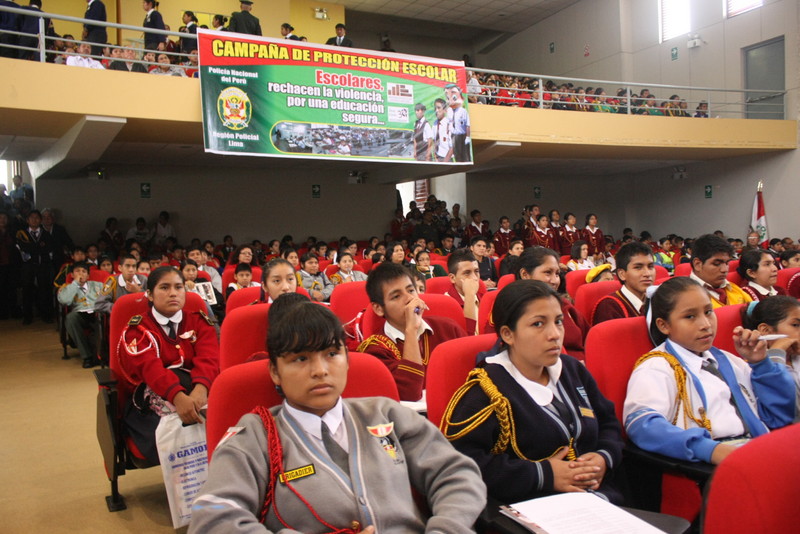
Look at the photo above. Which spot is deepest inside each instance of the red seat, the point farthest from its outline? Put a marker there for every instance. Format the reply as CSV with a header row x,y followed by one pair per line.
x,y
365,264
448,368
441,263
751,491
439,284
96,276
485,321
324,264
784,275
250,295
564,259
243,333
347,300
505,280
728,318
612,349
331,269
575,279
444,306
239,389
203,276
683,269
734,278
661,272
588,295
733,265
229,276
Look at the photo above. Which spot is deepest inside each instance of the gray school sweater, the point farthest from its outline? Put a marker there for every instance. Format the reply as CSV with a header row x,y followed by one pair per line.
x,y
377,491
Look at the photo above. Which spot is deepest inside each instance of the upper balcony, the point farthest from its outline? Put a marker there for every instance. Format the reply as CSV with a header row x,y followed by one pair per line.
x,y
61,119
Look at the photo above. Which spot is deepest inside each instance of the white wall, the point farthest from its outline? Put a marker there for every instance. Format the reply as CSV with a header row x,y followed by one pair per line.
x,y
622,36
209,203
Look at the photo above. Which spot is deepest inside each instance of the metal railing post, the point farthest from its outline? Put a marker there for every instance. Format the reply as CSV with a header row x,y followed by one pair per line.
x,y
42,41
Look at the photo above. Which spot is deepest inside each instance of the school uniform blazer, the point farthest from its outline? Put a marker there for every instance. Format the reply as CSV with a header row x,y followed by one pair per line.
x,y
96,11
345,42
156,22
539,433
146,352
613,306
410,376
376,490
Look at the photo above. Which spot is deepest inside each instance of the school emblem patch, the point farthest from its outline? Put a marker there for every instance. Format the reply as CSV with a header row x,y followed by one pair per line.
x,y
234,108
382,432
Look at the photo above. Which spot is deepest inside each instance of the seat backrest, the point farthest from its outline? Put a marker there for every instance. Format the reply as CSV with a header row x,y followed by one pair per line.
x,y
575,279
229,276
683,269
444,306
784,275
439,284
661,272
728,318
96,276
126,307
243,333
239,389
331,269
735,278
241,297
203,276
588,294
449,365
248,295
505,280
365,264
349,299
441,263
485,321
564,259
612,348
751,490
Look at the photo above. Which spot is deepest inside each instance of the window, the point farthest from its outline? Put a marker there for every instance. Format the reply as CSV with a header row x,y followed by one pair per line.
x,y
737,7
674,18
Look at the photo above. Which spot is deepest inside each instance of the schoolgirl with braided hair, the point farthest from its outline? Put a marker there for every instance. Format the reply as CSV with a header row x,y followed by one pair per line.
x,y
318,463
530,416
690,400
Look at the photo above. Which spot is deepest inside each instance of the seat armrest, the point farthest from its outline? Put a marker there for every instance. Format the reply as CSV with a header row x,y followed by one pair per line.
x,y
699,471
105,377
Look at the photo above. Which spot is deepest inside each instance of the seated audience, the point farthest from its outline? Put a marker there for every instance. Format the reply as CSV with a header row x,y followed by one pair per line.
x,y
412,456
170,359
422,264
478,246
315,281
636,272
779,315
83,59
711,255
244,278
127,282
346,273
80,296
687,398
393,295
166,68
579,257
531,416
757,267
465,286
541,264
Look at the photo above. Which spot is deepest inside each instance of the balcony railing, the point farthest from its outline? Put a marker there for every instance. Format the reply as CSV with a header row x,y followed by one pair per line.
x,y
532,90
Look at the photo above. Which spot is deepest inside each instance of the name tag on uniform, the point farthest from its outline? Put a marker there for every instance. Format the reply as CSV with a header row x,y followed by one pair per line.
x,y
300,472
587,412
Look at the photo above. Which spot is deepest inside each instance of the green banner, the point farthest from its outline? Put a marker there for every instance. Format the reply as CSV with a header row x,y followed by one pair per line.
x,y
285,98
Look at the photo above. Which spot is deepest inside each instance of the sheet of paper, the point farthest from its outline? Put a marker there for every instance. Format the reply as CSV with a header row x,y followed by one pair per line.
x,y
579,513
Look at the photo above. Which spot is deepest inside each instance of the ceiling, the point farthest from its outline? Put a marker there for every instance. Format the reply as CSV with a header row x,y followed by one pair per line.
x,y
498,15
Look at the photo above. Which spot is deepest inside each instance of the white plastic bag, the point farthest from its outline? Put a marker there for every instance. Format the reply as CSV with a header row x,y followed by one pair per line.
x,y
183,453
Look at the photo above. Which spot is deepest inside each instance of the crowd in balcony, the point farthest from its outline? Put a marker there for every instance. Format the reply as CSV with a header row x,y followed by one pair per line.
x,y
525,92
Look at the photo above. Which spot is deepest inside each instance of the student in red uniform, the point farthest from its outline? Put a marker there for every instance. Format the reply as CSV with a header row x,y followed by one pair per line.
x,y
465,285
636,271
594,238
393,295
569,234
477,227
555,224
503,236
541,264
543,235
757,267
168,358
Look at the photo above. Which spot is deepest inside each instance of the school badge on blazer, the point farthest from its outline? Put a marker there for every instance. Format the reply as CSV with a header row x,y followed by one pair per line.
x,y
234,108
383,433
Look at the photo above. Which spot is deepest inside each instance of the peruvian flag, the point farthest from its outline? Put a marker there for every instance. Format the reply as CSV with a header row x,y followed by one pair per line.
x,y
758,222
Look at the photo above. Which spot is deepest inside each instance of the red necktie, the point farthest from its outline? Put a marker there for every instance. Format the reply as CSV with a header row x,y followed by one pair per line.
x,y
722,295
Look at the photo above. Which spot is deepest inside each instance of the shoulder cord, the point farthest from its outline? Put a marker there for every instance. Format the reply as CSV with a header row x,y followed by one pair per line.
x,y
385,342
682,396
501,407
275,450
616,299
135,352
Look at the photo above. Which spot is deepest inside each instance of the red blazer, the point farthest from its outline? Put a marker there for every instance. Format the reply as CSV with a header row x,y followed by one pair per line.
x,y
146,352
596,240
566,238
502,242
